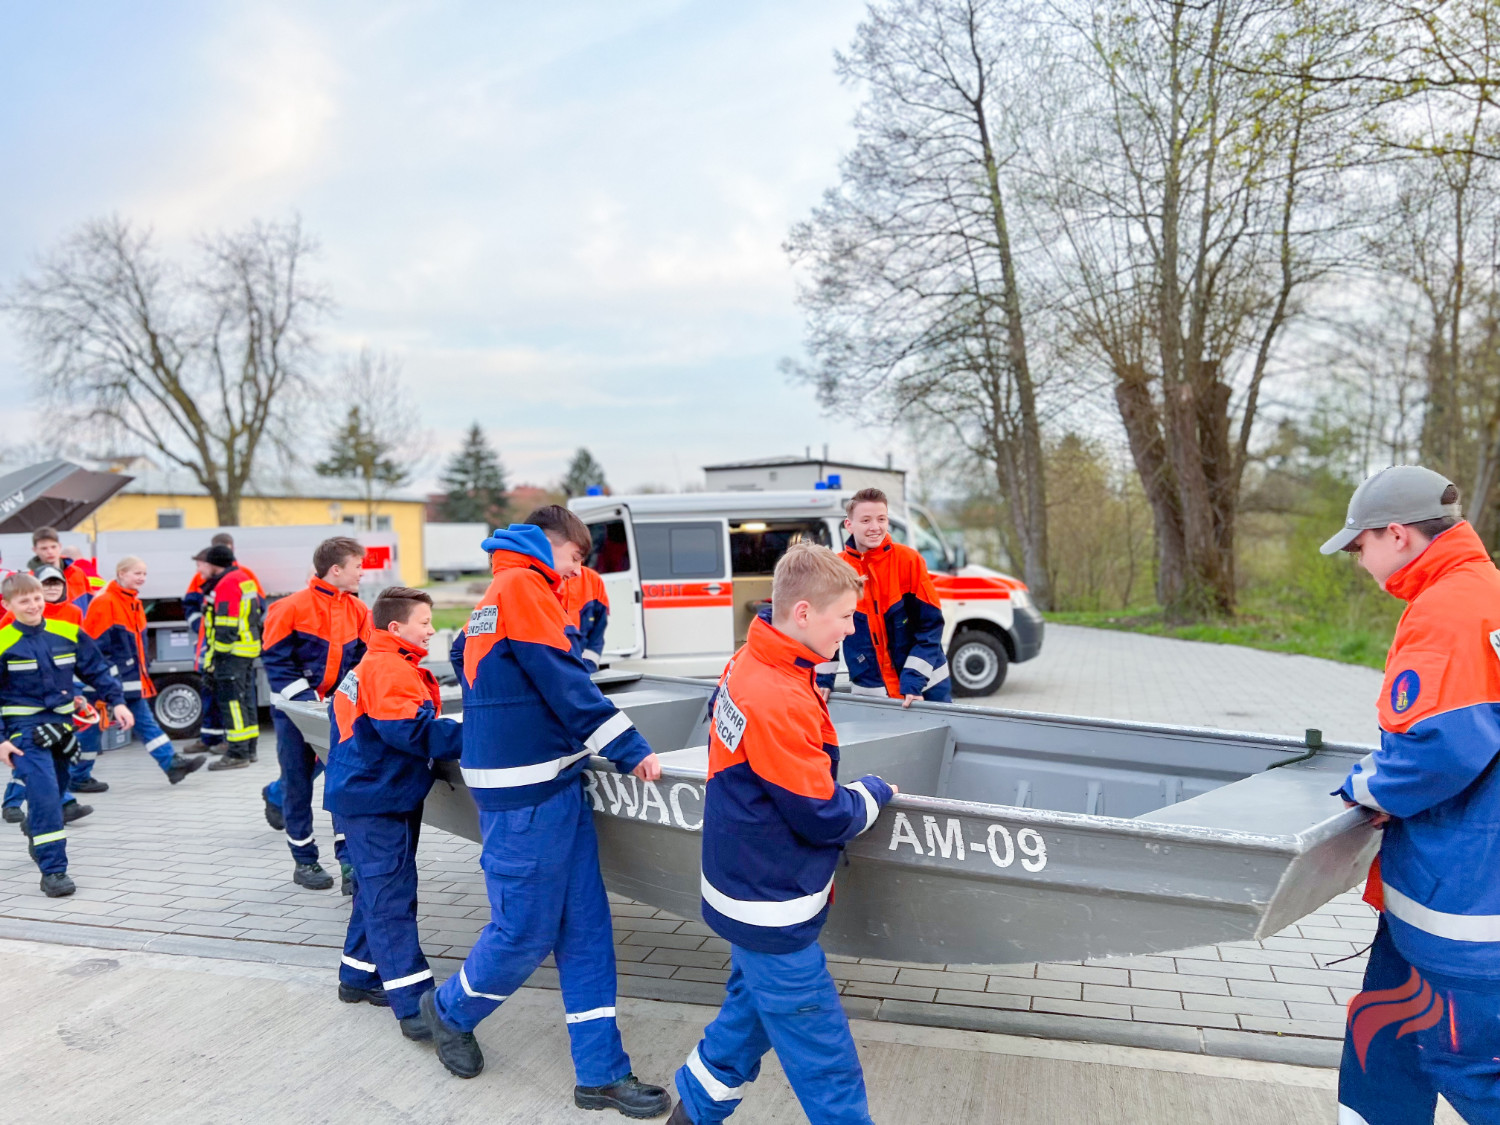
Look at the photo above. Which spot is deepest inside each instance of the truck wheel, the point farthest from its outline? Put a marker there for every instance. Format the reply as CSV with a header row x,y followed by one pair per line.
x,y
178,707
978,663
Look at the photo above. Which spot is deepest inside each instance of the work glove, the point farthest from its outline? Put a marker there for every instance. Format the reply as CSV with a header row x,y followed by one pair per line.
x,y
57,738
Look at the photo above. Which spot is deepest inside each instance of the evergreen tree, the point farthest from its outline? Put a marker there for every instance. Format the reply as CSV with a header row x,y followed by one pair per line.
x,y
583,473
474,483
359,451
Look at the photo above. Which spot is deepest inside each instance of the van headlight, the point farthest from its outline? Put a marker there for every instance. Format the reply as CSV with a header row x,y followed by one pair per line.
x,y
1020,599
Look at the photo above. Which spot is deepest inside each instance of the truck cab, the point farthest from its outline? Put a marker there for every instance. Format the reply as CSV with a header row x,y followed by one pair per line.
x,y
686,574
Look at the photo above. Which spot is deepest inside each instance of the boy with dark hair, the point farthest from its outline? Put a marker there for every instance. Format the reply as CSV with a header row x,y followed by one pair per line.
x,y
313,638
38,661
582,591
117,622
775,822
385,732
897,646
532,720
47,550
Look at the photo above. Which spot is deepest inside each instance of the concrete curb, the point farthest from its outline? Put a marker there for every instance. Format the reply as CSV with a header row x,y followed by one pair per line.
x,y
1257,1046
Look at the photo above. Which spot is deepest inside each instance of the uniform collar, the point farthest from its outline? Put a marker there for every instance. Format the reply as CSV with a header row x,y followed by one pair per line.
x,y
879,549
385,641
1456,547
770,645
123,592
516,560
318,586
32,630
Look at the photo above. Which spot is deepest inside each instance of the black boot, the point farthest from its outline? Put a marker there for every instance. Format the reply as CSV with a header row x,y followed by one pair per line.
x,y
181,767
57,885
75,810
680,1115
629,1095
12,814
89,785
227,761
457,1050
312,876
372,995
273,813
415,1028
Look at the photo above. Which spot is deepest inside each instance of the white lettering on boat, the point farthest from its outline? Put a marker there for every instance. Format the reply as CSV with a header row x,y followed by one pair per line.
x,y
944,839
627,796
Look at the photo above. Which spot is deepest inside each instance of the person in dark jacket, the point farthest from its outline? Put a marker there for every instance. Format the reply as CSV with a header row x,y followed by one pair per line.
x,y
386,730
233,612
39,656
532,719
775,822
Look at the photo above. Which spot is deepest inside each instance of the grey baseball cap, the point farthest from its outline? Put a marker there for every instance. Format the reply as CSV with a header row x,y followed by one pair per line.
x,y
1400,494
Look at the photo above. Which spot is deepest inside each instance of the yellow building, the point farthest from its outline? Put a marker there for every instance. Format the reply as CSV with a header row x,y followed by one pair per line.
x,y
171,499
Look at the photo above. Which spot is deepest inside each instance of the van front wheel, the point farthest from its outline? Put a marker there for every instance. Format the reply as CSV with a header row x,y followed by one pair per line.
x,y
977,662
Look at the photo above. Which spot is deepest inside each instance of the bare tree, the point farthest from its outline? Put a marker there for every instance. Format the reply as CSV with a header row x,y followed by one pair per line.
x,y
915,301
1192,200
200,368
375,437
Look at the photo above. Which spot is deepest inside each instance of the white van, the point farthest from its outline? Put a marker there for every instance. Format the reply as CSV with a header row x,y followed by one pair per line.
x,y
686,572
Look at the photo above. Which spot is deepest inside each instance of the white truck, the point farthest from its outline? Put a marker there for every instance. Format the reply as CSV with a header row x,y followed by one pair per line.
x,y
686,573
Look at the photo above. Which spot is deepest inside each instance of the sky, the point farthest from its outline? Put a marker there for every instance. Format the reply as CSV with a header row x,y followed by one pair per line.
x,y
563,220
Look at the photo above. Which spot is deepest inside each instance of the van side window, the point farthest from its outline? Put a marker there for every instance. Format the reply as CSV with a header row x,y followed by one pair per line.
x,y
680,550
611,551
755,545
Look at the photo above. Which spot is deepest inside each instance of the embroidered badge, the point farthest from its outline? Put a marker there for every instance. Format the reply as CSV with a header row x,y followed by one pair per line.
x,y
485,619
349,686
729,721
1404,691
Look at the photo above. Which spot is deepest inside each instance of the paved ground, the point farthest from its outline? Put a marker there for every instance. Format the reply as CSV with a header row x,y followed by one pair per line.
x,y
138,1036
1121,675
198,861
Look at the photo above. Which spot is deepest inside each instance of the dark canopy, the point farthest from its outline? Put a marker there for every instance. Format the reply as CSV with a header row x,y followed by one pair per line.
x,y
53,494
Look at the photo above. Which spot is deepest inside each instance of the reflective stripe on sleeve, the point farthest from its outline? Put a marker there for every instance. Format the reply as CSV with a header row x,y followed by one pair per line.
x,y
512,776
934,675
711,1085
590,654
463,980
591,1014
1360,783
609,730
938,677
1454,927
860,689
362,966
402,982
789,912
872,806
131,685
296,687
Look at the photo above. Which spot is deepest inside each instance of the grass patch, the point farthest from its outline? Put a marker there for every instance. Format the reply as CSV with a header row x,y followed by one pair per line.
x,y
1265,626
449,617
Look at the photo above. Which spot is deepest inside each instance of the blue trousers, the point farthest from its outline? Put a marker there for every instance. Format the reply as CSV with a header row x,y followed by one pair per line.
x,y
299,765
88,753
158,745
276,792
541,871
46,780
211,726
789,1002
1410,1038
381,946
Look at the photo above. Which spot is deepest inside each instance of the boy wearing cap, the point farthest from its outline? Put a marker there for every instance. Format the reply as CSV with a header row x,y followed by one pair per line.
x,y
117,622
1428,1019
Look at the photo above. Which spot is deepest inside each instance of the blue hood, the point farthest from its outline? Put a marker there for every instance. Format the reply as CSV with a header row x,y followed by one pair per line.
x,y
524,539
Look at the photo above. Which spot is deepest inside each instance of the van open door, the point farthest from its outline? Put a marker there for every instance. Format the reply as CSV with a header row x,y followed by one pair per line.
x,y
614,556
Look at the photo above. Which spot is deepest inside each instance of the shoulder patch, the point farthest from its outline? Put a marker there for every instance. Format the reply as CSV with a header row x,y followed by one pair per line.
x,y
729,721
1405,689
485,619
349,686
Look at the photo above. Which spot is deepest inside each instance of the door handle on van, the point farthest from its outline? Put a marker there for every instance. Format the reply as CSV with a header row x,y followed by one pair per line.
x,y
637,595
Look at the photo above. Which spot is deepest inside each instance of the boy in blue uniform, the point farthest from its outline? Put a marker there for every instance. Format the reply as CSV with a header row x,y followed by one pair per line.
x,y
775,822
386,731
38,660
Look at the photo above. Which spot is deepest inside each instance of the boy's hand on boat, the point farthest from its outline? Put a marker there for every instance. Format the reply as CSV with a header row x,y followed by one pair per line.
x,y
909,700
649,769
1376,818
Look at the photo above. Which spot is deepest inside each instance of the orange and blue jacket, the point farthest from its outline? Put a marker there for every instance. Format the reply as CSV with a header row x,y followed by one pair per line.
x,y
775,819
87,714
1434,771
117,622
39,665
897,646
532,716
587,606
312,639
386,731
192,604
